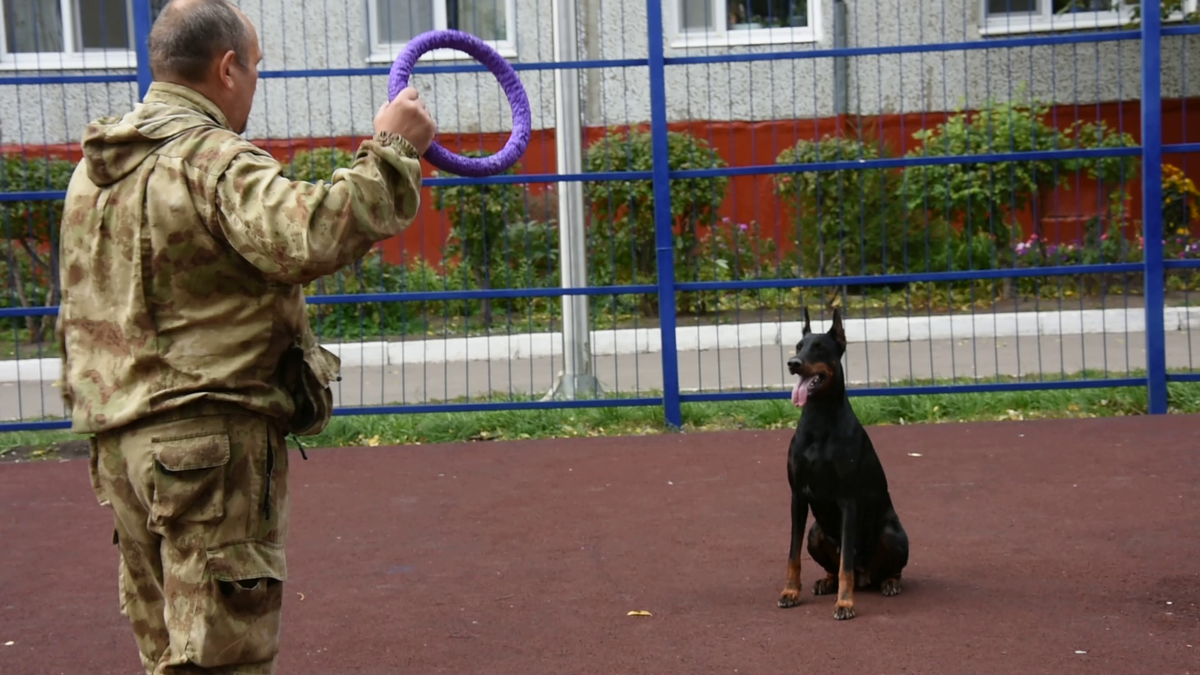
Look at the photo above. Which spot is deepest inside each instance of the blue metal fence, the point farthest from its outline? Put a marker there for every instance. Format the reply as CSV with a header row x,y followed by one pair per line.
x,y
915,245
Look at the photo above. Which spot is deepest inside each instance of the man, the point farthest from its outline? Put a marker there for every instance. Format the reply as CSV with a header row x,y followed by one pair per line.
x,y
187,351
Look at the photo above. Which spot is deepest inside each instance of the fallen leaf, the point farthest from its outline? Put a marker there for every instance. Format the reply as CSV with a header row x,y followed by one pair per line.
x,y
301,596
639,612
914,454
9,643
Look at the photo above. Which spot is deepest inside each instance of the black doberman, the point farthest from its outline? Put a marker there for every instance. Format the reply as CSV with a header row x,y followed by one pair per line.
x,y
832,468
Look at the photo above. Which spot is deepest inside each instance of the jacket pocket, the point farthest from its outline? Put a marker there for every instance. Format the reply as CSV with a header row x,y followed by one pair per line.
x,y
243,601
189,477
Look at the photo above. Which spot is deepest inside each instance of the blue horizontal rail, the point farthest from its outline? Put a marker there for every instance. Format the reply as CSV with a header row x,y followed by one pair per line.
x,y
752,170
1181,148
918,160
926,390
456,68
971,45
912,277
21,80
401,409
1181,30
493,294
646,289
1183,377
1181,264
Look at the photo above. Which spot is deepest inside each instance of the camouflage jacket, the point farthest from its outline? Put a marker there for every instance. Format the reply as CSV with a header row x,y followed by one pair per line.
x,y
184,253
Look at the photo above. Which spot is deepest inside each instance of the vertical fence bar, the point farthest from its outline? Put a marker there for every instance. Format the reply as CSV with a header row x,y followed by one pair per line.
x,y
664,240
1152,194
141,33
577,378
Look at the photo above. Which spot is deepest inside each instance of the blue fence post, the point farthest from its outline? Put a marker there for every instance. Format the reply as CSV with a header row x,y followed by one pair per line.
x,y
664,239
141,31
1152,194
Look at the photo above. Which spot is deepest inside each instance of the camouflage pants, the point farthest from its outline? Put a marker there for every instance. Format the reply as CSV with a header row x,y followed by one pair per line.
x,y
200,504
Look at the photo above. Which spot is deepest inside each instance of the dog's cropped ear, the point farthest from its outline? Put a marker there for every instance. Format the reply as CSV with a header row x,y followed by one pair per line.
x,y
836,331
807,324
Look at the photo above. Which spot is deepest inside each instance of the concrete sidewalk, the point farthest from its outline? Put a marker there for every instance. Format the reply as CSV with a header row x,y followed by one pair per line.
x,y
714,370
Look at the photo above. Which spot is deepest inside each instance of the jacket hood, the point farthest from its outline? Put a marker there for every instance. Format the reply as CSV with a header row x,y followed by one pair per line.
x,y
114,147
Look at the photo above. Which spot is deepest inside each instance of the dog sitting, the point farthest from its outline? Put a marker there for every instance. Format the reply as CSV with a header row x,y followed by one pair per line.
x,y
833,469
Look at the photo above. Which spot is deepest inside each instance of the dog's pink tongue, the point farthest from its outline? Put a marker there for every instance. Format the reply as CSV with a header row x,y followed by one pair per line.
x,y
800,392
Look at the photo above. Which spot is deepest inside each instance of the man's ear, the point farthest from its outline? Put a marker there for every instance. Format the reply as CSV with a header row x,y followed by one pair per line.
x,y
225,66
836,331
807,324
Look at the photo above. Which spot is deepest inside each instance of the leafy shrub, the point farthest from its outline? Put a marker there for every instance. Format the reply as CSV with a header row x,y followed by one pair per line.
x,y
33,227
985,196
850,221
628,206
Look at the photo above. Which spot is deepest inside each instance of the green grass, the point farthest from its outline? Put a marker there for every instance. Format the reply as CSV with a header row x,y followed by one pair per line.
x,y
429,428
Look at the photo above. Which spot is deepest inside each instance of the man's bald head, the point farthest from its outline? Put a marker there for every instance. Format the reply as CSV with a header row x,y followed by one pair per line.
x,y
190,34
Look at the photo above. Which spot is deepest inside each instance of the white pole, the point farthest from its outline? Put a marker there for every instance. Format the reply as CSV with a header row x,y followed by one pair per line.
x,y
576,377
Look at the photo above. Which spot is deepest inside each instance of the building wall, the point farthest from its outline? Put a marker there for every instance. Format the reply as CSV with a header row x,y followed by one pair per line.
x,y
318,34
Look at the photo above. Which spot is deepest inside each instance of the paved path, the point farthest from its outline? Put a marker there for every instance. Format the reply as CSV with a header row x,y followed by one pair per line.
x,y
724,369
1038,547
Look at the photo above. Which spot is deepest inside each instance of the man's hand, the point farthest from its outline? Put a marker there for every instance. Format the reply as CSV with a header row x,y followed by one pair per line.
x,y
407,117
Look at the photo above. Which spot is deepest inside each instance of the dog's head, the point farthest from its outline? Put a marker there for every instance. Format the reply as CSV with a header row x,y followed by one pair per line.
x,y
818,359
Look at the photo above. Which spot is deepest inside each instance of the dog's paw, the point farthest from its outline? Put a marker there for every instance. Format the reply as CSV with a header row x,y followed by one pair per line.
x,y
890,587
790,597
843,612
826,586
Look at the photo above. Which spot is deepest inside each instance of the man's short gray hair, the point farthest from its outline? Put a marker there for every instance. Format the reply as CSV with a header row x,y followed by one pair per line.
x,y
189,34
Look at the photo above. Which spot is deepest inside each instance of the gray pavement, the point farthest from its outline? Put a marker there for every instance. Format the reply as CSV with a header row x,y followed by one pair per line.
x,y
716,370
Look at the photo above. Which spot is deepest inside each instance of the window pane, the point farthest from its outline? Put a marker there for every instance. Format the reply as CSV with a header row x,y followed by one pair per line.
x,y
1002,7
103,24
33,26
402,20
696,15
1065,6
768,13
484,18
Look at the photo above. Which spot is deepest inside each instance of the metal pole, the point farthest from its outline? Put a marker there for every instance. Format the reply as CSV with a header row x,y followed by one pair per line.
x,y
142,22
841,70
576,378
1152,196
664,243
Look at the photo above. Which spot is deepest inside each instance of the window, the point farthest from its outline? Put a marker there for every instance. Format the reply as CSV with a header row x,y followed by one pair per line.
x,y
394,22
1028,16
716,23
67,33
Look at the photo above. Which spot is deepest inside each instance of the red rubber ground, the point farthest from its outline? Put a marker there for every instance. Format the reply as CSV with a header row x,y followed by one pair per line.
x,y
1044,547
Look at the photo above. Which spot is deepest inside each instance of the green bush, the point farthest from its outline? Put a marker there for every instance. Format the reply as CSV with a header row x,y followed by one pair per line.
x,y
983,197
317,164
31,228
627,207
851,221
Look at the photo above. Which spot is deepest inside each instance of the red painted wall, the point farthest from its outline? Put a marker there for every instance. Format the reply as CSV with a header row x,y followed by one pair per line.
x,y
1060,213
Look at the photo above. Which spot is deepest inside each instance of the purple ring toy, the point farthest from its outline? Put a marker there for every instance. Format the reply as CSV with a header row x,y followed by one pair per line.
x,y
518,140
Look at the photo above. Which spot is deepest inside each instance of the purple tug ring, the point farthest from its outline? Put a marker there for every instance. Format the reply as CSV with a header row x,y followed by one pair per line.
x,y
518,140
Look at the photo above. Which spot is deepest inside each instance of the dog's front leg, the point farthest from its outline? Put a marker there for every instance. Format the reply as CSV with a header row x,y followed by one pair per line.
x,y
790,597
845,599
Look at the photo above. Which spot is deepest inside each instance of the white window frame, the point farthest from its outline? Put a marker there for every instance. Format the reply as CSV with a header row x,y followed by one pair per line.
x,y
1045,22
721,36
69,59
386,52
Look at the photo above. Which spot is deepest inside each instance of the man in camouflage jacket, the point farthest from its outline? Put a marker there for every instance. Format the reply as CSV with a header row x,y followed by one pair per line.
x,y
188,355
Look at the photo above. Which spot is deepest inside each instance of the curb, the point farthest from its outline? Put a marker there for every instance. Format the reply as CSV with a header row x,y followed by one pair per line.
x,y
704,338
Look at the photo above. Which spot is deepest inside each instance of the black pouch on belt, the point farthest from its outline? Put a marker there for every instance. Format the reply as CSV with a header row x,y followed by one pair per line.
x,y
307,369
